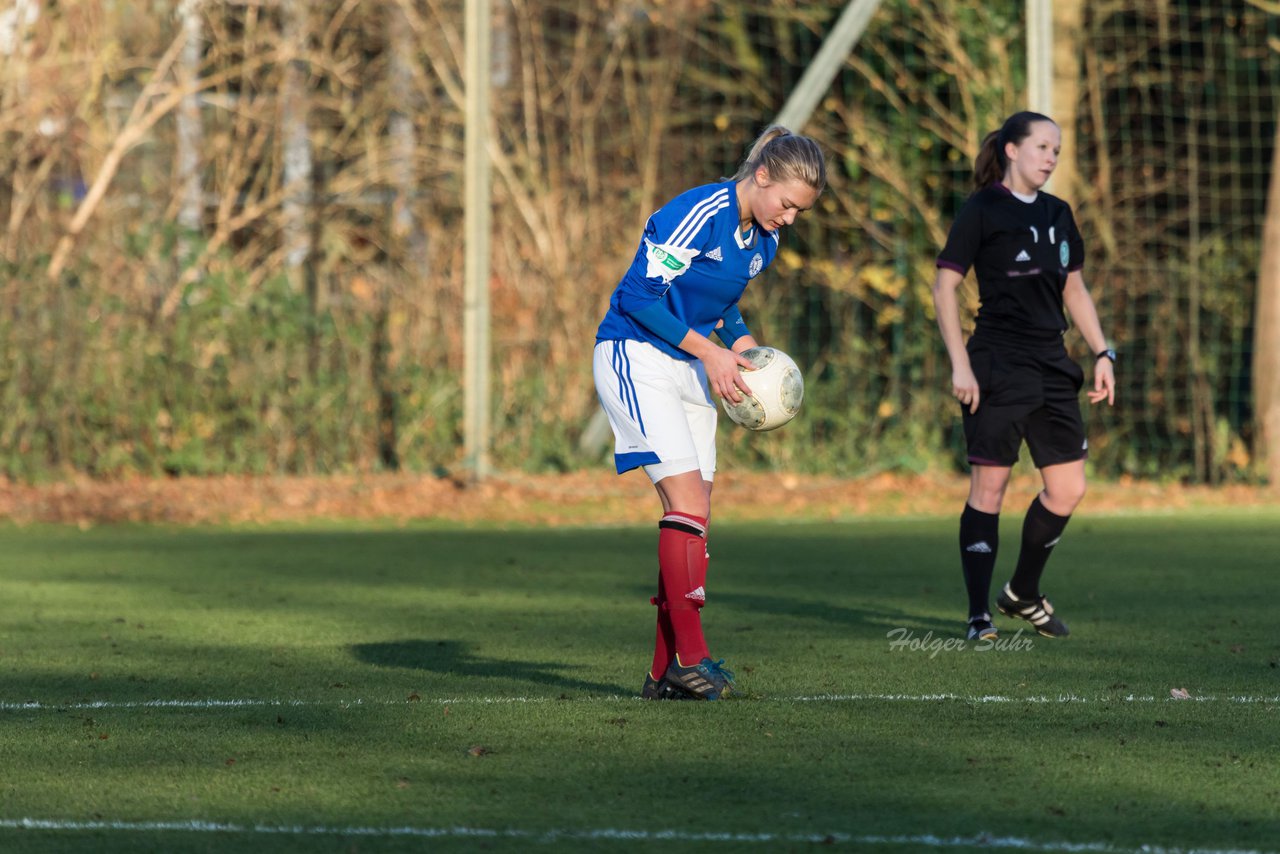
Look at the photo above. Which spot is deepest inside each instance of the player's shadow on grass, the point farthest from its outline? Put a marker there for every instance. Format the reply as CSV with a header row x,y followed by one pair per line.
x,y
873,622
451,658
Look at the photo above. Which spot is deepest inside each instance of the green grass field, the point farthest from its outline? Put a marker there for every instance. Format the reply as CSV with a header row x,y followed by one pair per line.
x,y
335,688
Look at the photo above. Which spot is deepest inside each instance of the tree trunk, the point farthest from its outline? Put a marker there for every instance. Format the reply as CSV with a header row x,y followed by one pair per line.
x,y
408,238
1266,340
190,131
408,241
299,223
297,144
16,192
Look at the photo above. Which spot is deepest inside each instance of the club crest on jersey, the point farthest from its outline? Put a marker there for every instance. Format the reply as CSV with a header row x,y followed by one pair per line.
x,y
666,262
1064,253
757,264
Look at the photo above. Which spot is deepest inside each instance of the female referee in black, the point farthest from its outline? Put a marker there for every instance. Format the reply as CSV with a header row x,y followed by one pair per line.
x,y
1014,379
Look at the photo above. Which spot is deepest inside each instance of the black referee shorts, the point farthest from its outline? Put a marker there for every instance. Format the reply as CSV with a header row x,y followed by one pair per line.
x,y
1025,394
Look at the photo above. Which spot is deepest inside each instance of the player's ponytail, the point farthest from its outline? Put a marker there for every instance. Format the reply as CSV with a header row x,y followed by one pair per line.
x,y
991,163
786,156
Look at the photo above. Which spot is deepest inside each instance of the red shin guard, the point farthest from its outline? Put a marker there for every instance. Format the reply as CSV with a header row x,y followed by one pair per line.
x,y
664,644
682,562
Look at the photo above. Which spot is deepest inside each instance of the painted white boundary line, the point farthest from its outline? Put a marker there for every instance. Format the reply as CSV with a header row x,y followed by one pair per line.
x,y
37,706
552,836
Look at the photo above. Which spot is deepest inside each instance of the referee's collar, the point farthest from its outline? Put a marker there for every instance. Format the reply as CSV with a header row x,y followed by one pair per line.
x,y
1018,196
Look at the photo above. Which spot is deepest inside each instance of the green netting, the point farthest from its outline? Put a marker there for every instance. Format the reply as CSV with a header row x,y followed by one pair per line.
x,y
1177,106
1177,124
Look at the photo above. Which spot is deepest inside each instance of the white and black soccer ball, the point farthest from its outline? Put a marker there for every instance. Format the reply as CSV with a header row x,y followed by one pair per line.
x,y
777,389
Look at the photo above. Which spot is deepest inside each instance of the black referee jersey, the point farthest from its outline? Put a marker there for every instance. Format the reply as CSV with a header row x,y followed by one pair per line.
x,y
1021,253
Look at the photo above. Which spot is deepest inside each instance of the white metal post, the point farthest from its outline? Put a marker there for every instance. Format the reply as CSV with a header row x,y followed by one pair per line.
x,y
478,237
1040,56
826,64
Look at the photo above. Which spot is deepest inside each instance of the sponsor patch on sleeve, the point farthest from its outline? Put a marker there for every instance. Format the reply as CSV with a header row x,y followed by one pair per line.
x,y
667,262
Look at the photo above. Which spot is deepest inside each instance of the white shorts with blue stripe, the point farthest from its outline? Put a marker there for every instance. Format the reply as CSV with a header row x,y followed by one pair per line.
x,y
659,407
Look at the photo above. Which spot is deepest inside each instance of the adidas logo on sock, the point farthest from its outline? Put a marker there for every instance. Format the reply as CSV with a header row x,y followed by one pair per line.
x,y
979,547
1023,256
714,255
699,595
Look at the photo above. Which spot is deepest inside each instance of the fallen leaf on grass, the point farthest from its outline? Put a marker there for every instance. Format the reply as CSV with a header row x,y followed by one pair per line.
x,y
1179,694
479,750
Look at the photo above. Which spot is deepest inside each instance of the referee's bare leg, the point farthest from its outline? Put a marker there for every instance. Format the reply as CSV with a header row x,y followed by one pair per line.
x,y
1063,487
987,485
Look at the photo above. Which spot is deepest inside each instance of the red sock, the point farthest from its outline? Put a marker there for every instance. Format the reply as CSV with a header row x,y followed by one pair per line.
x,y
664,644
682,562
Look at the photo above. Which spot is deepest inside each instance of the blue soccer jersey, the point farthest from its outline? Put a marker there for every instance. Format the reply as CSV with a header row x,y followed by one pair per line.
x,y
689,272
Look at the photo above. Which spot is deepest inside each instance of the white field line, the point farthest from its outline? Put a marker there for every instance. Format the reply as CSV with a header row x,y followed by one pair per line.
x,y
1044,699
552,836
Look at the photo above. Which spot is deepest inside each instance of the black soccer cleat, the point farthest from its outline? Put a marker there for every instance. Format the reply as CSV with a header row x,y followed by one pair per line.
x,y
661,689
1038,612
706,680
980,628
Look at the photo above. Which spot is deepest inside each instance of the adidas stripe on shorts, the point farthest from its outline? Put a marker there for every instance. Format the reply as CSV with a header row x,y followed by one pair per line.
x,y
659,407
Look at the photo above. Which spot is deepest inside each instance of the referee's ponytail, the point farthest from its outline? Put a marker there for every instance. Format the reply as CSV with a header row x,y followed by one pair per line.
x,y
990,165
786,156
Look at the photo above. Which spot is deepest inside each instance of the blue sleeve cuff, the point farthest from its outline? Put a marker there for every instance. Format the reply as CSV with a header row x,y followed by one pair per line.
x,y
734,327
661,322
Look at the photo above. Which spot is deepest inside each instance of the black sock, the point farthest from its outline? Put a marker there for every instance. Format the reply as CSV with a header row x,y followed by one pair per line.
x,y
1040,533
979,540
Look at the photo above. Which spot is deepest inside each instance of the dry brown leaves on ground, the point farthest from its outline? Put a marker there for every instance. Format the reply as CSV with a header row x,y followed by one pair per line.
x,y
581,498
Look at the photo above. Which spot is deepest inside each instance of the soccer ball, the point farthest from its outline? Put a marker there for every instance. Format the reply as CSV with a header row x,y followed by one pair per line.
x,y
776,391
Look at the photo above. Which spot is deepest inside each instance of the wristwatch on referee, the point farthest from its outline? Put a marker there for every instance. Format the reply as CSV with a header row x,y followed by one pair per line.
x,y
1106,354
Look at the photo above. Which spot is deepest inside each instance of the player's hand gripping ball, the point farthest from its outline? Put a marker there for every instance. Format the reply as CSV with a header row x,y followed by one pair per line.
x,y
777,388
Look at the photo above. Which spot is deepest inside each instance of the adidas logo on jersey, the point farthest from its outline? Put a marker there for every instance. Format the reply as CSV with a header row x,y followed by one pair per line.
x,y
979,547
699,595
714,255
1023,256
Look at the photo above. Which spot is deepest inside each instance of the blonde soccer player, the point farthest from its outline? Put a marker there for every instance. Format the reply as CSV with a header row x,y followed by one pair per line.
x,y
655,368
